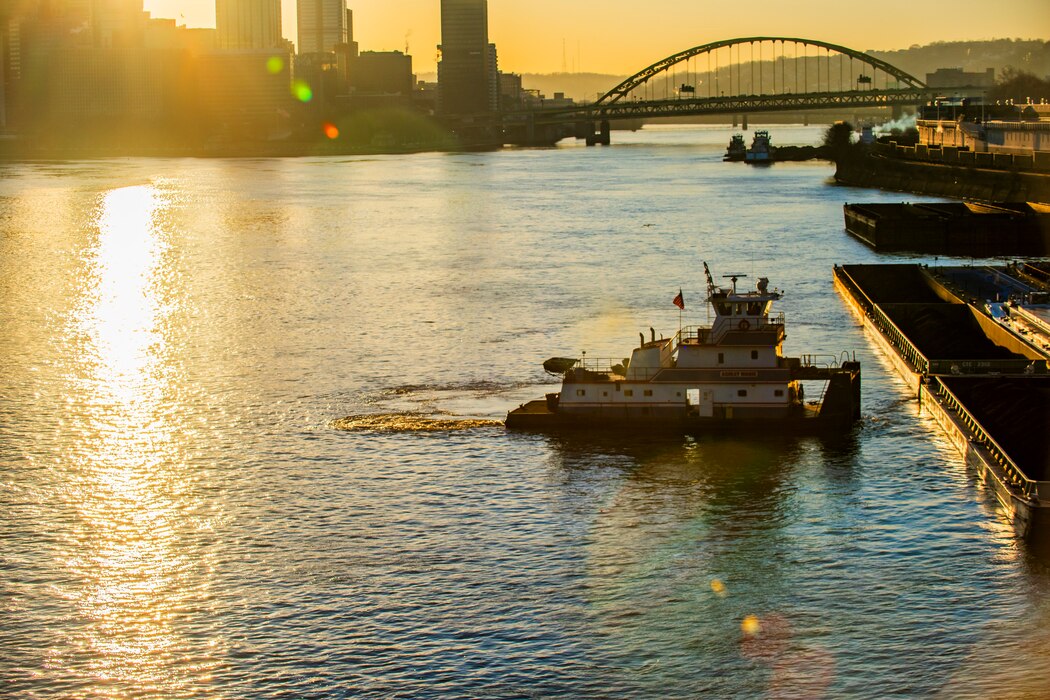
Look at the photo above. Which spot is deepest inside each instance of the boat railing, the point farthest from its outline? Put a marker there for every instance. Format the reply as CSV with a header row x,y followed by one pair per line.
x,y
600,365
701,333
1029,488
907,349
776,319
820,361
858,294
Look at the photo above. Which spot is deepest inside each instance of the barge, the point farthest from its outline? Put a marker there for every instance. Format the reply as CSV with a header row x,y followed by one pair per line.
x,y
985,383
729,376
952,228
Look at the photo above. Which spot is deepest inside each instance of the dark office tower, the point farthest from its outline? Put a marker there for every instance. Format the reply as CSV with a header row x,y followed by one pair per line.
x,y
467,75
322,25
352,47
248,24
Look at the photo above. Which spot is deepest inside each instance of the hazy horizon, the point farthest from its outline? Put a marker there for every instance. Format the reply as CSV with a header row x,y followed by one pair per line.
x,y
546,36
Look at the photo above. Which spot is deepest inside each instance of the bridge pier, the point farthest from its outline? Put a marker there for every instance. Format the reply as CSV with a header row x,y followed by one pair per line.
x,y
735,121
897,112
603,136
744,119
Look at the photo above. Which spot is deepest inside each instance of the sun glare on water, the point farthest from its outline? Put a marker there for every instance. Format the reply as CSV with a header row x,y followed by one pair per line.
x,y
123,318
127,477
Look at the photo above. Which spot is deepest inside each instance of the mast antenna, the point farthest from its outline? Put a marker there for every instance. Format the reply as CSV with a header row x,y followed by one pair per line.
x,y
710,281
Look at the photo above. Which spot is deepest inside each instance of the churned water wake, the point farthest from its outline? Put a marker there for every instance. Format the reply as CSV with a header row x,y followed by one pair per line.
x,y
410,423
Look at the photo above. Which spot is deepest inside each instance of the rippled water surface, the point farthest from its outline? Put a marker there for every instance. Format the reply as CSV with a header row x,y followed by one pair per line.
x,y
249,443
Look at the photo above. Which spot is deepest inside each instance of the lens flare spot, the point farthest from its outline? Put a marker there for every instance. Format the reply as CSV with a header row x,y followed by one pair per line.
x,y
302,91
331,131
275,64
750,625
718,587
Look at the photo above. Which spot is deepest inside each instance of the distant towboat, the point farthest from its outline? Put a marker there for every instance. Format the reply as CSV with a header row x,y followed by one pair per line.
x,y
737,149
761,150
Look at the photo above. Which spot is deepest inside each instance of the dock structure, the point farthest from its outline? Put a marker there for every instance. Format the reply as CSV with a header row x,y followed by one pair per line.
x,y
978,367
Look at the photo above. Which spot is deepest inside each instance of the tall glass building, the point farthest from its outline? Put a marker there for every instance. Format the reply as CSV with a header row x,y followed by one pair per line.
x,y
322,25
248,24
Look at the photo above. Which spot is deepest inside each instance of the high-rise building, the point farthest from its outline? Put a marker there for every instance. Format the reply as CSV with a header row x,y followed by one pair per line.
x,y
322,25
248,24
468,81
116,23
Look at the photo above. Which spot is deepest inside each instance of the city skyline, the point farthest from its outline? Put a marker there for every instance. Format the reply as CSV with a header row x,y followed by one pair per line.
x,y
546,36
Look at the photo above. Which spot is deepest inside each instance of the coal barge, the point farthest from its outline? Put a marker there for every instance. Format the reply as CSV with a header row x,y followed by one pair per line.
x,y
975,364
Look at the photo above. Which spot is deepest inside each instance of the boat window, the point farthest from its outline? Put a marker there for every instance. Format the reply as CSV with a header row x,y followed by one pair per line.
x,y
724,309
628,392
741,392
754,308
778,392
648,392
605,393
581,392
721,358
754,354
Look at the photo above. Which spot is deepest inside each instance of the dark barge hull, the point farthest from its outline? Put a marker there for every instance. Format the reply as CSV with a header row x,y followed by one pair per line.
x,y
952,228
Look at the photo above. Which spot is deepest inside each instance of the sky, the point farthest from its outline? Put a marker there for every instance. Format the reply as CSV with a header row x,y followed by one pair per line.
x,y
619,37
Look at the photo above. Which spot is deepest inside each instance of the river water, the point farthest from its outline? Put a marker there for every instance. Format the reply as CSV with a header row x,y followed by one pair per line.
x,y
185,513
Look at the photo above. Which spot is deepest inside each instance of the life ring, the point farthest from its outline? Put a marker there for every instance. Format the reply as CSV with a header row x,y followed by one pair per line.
x,y
744,324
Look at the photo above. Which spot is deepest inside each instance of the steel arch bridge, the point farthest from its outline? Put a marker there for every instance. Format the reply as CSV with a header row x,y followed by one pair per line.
x,y
749,75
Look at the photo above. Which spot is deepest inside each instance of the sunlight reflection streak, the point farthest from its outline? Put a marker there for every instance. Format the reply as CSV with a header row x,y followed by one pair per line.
x,y
127,480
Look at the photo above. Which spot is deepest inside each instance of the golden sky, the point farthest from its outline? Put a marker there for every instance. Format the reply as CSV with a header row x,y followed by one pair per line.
x,y
617,36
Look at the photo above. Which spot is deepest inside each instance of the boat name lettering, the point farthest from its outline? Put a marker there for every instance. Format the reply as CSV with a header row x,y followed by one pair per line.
x,y
728,373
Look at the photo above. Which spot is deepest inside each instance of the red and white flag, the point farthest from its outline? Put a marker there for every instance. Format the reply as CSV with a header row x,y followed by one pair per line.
x,y
679,301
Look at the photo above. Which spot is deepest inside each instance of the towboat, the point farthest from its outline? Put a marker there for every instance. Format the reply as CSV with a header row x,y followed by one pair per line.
x,y
761,150
737,149
729,375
